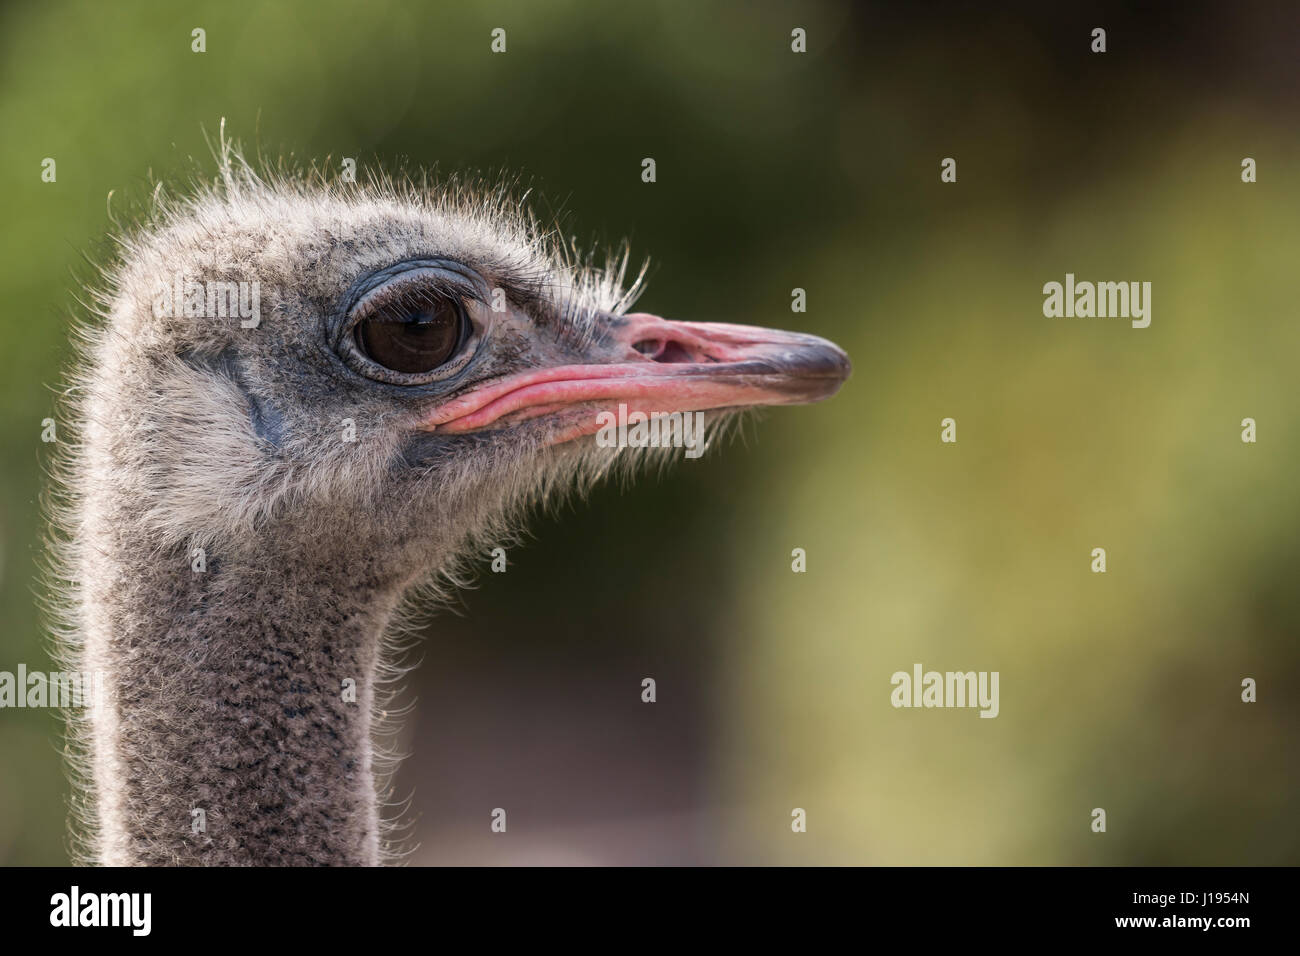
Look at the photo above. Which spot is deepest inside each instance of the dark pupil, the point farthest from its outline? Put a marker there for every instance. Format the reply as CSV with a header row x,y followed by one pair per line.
x,y
414,339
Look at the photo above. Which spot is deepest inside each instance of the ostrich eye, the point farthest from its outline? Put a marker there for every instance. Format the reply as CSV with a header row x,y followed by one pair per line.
x,y
413,337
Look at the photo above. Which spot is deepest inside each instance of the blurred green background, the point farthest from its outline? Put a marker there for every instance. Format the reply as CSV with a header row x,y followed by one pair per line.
x,y
778,170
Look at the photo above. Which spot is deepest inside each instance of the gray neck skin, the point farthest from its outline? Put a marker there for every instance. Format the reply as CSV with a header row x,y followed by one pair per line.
x,y
226,695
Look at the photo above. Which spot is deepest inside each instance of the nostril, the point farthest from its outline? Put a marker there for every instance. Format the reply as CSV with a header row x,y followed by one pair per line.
x,y
675,352
666,351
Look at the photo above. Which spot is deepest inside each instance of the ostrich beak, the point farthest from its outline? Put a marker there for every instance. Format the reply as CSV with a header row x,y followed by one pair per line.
x,y
658,366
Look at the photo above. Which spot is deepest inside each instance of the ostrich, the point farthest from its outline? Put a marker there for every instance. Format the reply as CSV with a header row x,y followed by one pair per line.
x,y
249,507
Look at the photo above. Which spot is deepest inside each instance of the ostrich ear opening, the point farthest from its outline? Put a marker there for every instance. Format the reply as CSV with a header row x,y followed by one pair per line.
x,y
268,424
206,468
657,366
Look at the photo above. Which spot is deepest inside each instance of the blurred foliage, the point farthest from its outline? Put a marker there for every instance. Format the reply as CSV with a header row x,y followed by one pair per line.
x,y
819,171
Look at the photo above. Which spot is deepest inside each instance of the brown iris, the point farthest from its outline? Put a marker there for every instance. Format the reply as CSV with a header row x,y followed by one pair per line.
x,y
413,338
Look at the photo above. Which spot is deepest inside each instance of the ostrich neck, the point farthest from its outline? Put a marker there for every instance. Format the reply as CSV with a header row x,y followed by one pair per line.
x,y
236,727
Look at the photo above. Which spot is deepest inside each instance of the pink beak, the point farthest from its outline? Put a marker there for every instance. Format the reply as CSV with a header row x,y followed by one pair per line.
x,y
659,366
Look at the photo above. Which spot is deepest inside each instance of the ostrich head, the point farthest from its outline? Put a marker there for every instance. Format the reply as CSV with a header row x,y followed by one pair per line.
x,y
256,490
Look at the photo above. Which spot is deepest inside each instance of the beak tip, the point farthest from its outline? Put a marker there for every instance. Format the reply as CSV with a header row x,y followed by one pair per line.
x,y
826,364
840,361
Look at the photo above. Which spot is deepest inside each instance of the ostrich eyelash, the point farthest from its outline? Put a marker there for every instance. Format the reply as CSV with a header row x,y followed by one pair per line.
x,y
411,292
419,288
396,305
